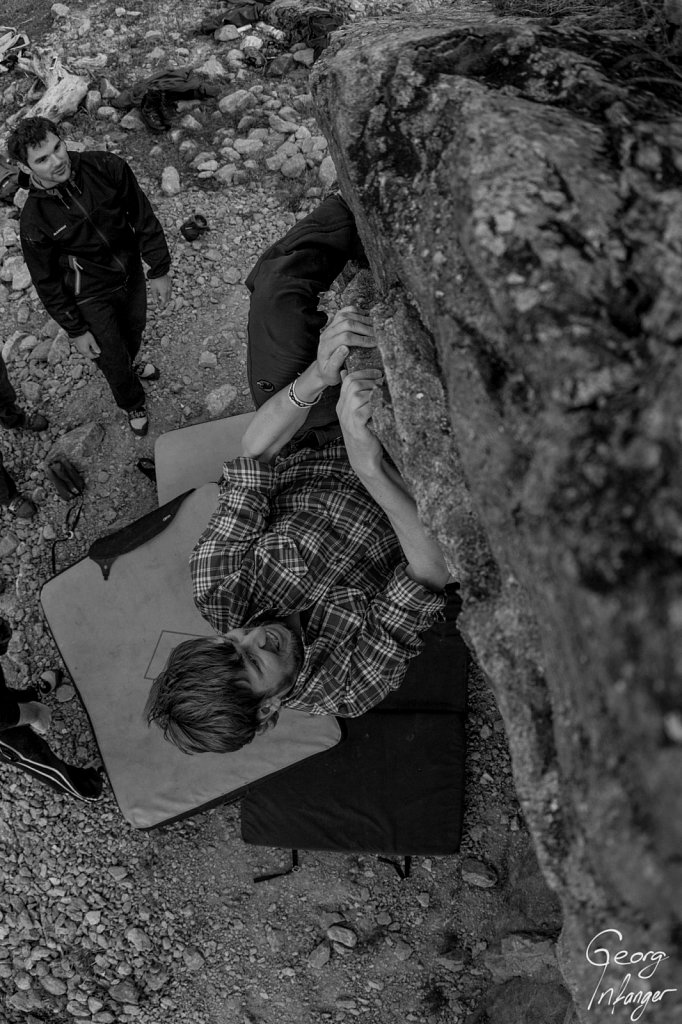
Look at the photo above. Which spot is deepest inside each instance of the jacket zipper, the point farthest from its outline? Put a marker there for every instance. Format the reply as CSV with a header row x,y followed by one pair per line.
x,y
76,267
93,225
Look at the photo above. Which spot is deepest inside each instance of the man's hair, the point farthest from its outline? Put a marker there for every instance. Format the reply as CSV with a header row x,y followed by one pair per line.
x,y
31,131
201,700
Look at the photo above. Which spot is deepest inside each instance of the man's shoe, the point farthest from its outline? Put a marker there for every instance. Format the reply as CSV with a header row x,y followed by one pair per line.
x,y
166,109
138,421
22,507
147,371
5,635
150,112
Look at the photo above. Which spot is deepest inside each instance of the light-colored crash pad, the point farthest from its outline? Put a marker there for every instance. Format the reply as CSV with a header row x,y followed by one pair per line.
x,y
194,455
114,637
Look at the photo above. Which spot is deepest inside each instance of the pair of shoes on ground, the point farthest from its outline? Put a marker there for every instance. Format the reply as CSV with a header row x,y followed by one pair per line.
x,y
22,507
34,421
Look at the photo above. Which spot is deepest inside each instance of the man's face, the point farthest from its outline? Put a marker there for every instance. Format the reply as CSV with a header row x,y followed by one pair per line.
x,y
272,654
48,161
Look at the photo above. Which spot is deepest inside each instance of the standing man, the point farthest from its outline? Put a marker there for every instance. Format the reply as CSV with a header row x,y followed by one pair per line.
x,y
84,227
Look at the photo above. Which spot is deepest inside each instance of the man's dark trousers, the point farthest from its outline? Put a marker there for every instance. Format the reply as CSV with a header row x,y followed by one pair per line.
x,y
8,488
117,321
10,416
284,319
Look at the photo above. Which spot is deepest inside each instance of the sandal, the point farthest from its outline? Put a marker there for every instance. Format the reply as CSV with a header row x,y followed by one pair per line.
x,y
193,227
138,421
147,467
22,507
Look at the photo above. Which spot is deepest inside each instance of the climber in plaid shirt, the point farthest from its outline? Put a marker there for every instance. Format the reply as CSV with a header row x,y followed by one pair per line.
x,y
314,568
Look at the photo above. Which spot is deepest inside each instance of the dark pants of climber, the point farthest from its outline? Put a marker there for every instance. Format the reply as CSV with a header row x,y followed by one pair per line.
x,y
117,321
284,320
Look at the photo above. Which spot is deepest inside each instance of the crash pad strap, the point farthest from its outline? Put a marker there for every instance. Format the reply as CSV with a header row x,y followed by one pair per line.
x,y
105,550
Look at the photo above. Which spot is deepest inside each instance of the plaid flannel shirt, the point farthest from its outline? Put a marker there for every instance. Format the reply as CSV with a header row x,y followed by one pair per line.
x,y
303,535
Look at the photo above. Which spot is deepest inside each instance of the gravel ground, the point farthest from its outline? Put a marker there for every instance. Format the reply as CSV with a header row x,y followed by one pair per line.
x,y
99,922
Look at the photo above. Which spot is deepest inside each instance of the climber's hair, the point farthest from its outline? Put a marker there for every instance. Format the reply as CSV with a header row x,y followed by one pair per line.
x,y
31,131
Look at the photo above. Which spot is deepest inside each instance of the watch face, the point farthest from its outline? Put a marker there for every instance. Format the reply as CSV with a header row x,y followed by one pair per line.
x,y
265,385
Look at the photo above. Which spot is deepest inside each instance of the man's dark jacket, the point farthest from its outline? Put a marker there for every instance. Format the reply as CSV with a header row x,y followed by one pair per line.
x,y
80,239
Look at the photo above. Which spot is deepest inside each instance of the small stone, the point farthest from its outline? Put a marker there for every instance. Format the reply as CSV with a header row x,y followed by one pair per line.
x,y
344,936
124,992
227,34
193,958
55,986
59,11
170,181
226,175
8,543
117,872
93,100
64,694
21,278
475,872
77,1010
247,147
93,917
28,343
305,57
319,956
218,400
212,68
326,172
294,166
208,359
401,950
132,121
236,101
139,939
108,90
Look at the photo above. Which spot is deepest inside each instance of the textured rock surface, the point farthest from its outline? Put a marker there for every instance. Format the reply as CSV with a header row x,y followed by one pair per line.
x,y
521,211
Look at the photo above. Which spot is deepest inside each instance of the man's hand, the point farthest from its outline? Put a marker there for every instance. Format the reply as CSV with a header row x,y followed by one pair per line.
x,y
36,716
348,328
160,288
86,345
354,410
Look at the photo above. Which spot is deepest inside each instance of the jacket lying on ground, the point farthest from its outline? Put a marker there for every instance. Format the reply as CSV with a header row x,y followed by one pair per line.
x,y
79,238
